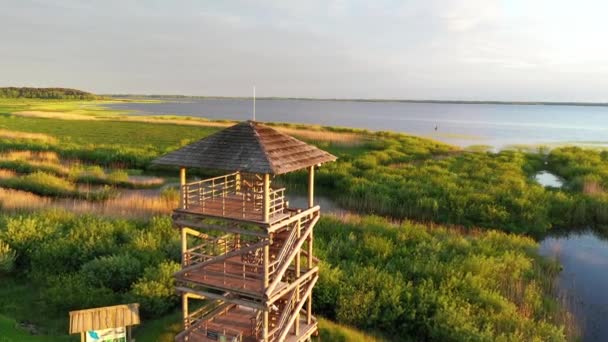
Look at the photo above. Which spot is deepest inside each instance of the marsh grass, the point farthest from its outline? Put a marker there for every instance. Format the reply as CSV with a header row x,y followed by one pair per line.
x,y
330,331
437,283
125,206
46,184
25,135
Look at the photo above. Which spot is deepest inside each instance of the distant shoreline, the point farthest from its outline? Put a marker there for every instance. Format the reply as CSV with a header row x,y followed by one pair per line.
x,y
527,103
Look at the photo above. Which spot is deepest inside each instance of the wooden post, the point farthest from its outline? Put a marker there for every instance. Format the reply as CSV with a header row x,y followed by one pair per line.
x,y
237,182
185,310
266,262
309,301
266,197
184,245
311,186
265,327
298,256
182,182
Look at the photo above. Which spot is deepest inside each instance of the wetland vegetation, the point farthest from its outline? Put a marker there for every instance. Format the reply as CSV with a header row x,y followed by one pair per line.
x,y
446,233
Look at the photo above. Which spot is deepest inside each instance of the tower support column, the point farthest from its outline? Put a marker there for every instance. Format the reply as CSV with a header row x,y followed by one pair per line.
x,y
182,182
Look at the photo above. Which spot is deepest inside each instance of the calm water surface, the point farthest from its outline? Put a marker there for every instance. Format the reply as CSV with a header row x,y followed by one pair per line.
x,y
584,257
460,124
547,179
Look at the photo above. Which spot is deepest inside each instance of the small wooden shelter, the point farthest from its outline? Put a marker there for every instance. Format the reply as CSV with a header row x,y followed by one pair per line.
x,y
242,244
109,317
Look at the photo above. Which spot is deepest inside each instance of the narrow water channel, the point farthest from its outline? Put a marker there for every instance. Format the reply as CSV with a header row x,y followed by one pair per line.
x,y
584,278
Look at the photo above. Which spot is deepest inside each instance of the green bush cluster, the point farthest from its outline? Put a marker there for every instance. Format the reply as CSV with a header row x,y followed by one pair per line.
x,y
585,172
407,177
579,166
75,262
420,283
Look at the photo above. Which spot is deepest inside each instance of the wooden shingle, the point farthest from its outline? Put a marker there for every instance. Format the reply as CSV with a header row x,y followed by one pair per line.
x,y
103,318
248,146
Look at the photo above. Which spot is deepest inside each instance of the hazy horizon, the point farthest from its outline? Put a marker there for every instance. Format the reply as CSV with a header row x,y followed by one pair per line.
x,y
476,50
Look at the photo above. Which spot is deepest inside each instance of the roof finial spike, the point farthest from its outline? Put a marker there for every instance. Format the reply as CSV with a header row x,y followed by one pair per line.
x,y
254,103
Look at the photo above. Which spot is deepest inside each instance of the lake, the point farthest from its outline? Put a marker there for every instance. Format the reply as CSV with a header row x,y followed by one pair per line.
x,y
460,124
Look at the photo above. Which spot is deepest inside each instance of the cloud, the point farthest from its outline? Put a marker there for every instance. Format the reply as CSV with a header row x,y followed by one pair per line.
x,y
391,49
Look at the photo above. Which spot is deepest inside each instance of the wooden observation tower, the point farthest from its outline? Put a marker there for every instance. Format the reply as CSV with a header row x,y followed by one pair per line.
x,y
248,268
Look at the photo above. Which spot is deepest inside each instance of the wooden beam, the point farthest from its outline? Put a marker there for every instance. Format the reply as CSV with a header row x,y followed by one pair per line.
x,y
310,262
192,232
297,310
206,294
311,186
280,293
222,257
185,310
265,326
297,217
298,264
279,274
182,223
182,182
184,234
266,262
266,195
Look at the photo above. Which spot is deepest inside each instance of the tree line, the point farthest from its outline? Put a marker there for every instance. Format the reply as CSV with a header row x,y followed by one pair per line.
x,y
46,93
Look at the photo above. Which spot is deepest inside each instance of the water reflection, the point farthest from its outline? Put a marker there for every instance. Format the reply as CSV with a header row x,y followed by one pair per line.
x,y
584,257
328,206
547,179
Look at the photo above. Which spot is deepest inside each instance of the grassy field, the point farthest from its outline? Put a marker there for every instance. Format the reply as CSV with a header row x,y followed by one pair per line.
x,y
464,278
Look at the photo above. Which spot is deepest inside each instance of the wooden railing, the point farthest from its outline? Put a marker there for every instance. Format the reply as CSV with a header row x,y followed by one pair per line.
x,y
205,312
195,194
285,315
232,196
205,328
276,202
288,246
209,249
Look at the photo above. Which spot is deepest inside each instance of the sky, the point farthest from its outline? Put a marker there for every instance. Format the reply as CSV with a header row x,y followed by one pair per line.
x,y
515,50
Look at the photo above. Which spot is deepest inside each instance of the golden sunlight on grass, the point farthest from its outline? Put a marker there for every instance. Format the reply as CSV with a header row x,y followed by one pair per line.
x,y
25,135
4,173
320,135
131,206
43,156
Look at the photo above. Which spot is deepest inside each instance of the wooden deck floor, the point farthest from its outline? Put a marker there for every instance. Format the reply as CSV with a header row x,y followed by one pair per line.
x,y
229,277
232,206
239,320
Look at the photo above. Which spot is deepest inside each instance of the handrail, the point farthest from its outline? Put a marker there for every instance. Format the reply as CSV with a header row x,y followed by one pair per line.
x,y
232,196
286,248
287,311
214,178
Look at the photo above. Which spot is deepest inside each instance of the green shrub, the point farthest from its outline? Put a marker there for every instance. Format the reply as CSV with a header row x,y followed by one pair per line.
x,y
118,177
408,280
41,183
7,258
116,272
66,292
155,290
170,194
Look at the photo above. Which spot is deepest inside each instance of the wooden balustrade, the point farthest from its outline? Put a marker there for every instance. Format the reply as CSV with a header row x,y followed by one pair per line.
x,y
233,196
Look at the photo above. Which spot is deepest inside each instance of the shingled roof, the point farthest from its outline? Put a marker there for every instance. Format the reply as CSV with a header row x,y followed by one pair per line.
x,y
248,146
